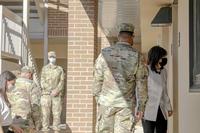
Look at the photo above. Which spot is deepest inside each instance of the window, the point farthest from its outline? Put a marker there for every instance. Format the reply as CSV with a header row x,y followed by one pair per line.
x,y
194,44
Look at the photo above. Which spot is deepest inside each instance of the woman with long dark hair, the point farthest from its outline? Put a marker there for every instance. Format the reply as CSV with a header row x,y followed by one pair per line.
x,y
158,107
7,82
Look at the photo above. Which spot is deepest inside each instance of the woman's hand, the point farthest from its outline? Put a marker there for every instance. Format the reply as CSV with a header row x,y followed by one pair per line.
x,y
16,129
170,113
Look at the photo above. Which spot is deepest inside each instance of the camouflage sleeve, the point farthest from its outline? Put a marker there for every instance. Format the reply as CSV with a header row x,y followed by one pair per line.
x,y
141,84
61,83
43,83
98,76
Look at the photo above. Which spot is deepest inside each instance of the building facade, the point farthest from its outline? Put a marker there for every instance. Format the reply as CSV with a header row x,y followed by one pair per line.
x,y
79,29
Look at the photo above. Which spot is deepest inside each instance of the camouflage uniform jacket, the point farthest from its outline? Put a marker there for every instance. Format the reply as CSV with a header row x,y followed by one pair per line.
x,y
119,71
24,98
52,77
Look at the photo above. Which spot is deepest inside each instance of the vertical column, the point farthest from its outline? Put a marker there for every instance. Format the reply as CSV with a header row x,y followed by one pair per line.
x,y
81,39
26,11
1,34
1,27
45,32
175,67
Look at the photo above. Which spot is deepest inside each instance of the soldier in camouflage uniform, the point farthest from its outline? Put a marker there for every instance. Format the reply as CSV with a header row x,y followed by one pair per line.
x,y
25,104
120,73
52,83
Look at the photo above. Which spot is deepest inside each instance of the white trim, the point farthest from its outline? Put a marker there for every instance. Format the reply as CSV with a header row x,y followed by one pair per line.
x,y
187,102
1,26
46,33
26,10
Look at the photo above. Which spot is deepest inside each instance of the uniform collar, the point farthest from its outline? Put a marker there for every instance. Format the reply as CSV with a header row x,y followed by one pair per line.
x,y
51,66
124,43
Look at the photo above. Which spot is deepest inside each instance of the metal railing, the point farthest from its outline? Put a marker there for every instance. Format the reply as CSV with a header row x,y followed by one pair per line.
x,y
14,39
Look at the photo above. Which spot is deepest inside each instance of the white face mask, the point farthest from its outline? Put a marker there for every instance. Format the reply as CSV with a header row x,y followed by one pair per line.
x,y
10,87
52,60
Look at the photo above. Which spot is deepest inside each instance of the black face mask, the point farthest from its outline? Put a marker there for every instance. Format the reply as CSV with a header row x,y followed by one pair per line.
x,y
164,62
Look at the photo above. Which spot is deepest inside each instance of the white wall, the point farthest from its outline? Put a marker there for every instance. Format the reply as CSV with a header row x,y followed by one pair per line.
x,y
149,35
189,107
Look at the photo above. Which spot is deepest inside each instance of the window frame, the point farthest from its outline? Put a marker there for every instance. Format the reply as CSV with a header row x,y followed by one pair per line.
x,y
192,45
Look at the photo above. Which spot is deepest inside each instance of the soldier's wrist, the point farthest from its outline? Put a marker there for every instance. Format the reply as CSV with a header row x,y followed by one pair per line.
x,y
141,108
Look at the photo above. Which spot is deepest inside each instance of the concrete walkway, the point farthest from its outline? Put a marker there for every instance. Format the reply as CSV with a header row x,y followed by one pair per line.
x,y
138,128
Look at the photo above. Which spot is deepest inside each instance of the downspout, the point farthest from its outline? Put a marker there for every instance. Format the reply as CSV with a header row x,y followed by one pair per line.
x,y
26,10
45,32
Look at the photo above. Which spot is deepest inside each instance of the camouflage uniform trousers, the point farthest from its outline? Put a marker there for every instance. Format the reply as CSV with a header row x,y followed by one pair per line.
x,y
115,120
36,116
49,103
28,130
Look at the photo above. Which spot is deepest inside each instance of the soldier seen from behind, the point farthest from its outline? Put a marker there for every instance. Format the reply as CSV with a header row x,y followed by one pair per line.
x,y
119,73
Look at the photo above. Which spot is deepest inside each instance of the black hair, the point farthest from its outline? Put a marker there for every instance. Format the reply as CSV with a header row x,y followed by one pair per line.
x,y
154,55
126,32
5,76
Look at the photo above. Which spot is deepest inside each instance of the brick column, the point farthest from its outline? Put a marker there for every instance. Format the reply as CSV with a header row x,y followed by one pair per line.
x,y
81,40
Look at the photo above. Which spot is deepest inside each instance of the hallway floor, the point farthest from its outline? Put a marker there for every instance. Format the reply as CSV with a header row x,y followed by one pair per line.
x,y
138,130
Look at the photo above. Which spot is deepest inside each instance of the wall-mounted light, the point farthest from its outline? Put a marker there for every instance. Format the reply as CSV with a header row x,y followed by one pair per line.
x,y
163,17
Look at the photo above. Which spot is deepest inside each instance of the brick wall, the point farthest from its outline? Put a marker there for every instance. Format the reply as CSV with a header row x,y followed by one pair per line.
x,y
81,40
58,18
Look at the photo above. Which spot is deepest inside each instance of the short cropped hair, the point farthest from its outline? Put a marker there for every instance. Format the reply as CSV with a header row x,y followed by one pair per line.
x,y
126,32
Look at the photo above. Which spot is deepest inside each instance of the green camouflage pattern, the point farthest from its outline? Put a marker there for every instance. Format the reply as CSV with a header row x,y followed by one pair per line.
x,y
52,78
115,120
126,27
27,69
25,102
119,73
48,104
